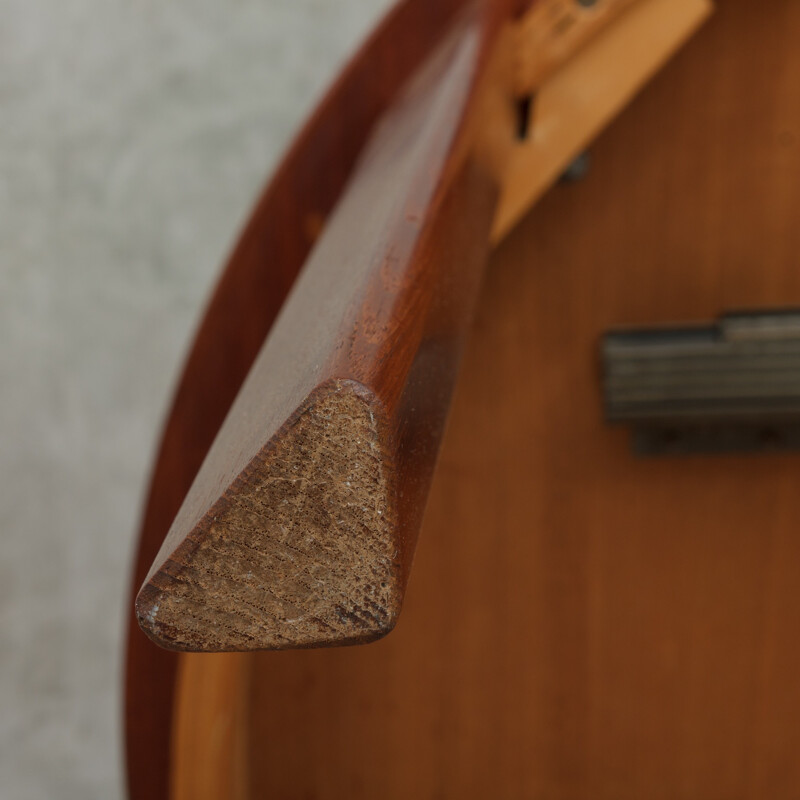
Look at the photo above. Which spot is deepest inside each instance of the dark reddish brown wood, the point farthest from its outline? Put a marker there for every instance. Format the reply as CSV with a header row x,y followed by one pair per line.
x,y
152,606
251,291
583,624
253,286
301,525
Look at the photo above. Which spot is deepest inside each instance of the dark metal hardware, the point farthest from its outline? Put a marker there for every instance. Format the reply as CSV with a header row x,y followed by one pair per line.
x,y
729,386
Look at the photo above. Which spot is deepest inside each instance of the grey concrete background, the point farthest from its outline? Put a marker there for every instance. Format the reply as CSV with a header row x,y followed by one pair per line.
x,y
134,136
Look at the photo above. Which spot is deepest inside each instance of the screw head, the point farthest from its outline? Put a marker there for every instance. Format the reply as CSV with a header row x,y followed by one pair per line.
x,y
578,169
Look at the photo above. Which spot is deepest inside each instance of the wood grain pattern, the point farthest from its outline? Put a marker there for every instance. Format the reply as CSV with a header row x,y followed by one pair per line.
x,y
284,226
346,397
259,274
581,623
552,32
586,92
209,748
301,525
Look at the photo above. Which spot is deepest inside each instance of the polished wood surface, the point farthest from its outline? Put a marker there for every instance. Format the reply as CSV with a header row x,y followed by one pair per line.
x,y
324,460
246,564
262,268
209,747
284,226
581,623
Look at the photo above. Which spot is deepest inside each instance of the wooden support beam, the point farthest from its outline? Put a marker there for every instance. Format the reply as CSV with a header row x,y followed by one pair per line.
x,y
578,97
300,527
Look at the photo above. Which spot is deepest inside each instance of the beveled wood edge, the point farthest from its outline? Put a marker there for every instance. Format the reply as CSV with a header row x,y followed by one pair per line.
x,y
151,671
260,566
210,616
224,348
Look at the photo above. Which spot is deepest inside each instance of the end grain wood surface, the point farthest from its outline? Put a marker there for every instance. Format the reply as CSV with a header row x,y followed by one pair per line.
x,y
301,526
284,227
258,276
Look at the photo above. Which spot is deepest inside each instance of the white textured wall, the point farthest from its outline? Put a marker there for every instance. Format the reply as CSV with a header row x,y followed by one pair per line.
x,y
134,135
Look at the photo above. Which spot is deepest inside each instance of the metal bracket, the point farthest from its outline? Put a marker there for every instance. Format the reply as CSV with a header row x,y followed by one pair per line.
x,y
729,386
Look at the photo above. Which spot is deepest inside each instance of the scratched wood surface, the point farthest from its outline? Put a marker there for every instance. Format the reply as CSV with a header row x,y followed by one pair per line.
x,y
580,623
